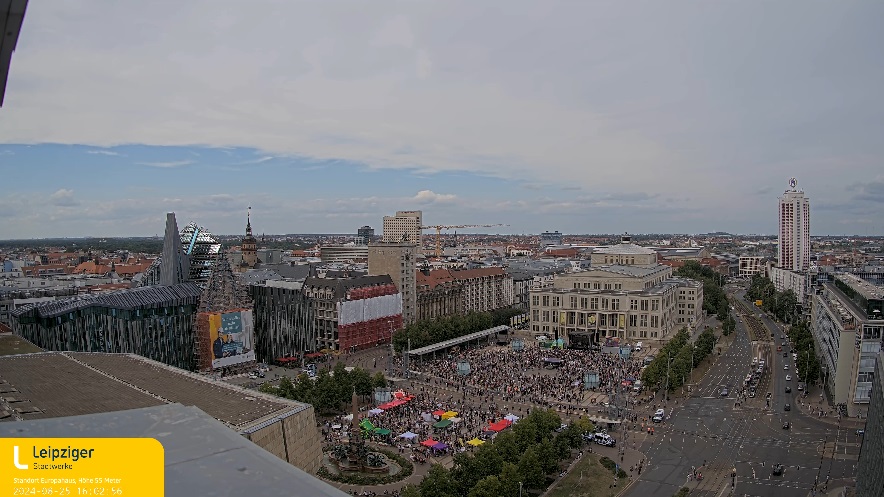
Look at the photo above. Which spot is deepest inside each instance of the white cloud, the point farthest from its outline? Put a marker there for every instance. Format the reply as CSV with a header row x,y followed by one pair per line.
x,y
103,152
651,96
170,164
429,196
63,198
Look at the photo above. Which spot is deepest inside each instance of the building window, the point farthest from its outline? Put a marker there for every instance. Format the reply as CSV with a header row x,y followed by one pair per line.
x,y
535,300
633,320
644,320
556,301
655,305
594,303
604,304
633,304
644,305
615,304
546,300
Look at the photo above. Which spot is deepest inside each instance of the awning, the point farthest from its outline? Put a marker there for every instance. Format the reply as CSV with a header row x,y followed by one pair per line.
x,y
409,435
398,394
475,442
439,412
314,355
440,446
382,431
429,442
445,423
366,425
512,418
455,420
375,411
500,425
449,414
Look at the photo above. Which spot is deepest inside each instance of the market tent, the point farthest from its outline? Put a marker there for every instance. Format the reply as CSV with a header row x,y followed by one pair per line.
x,y
440,446
456,420
398,394
427,417
382,431
429,442
500,425
445,423
366,425
449,414
375,411
409,435
512,418
475,442
439,412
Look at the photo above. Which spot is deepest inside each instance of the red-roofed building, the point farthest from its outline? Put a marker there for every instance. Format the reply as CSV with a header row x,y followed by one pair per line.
x,y
90,267
46,270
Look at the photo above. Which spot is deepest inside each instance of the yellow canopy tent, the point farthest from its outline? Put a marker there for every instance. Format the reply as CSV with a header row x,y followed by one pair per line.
x,y
449,414
475,442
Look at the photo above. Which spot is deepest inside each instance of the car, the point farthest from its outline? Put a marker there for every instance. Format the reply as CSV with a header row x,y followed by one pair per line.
x,y
785,367
778,470
657,419
724,392
602,438
785,354
782,337
787,407
788,389
783,344
786,425
800,387
788,377
752,394
541,338
860,432
253,375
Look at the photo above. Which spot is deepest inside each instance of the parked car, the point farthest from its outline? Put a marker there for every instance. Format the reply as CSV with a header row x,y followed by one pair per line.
x,y
605,439
787,407
800,387
786,425
788,377
788,389
778,470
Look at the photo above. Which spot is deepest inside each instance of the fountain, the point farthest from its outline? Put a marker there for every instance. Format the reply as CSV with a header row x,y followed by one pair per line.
x,y
355,456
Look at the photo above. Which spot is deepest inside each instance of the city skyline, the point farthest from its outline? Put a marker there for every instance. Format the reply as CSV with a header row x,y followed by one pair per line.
x,y
636,117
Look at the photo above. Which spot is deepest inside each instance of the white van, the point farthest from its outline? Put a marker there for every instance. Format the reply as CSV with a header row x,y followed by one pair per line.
x,y
638,346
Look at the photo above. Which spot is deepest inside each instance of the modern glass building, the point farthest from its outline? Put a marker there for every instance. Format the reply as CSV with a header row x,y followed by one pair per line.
x,y
202,250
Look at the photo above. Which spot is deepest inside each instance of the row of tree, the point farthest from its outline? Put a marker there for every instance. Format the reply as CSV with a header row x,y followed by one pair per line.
x,y
678,358
430,331
714,298
526,453
330,390
807,366
783,305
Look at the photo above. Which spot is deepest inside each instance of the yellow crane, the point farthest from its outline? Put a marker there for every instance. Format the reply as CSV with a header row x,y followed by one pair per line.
x,y
440,227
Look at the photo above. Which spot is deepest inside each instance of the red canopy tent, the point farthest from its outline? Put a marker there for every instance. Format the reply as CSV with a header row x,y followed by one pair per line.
x,y
314,355
429,442
439,412
500,425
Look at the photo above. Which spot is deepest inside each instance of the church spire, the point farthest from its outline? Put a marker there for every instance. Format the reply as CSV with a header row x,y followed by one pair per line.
x,y
249,222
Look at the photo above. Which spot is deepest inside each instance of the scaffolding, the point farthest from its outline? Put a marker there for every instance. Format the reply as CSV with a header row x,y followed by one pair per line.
x,y
222,293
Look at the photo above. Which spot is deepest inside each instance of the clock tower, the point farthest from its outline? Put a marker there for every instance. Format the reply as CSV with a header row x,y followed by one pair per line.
x,y
249,243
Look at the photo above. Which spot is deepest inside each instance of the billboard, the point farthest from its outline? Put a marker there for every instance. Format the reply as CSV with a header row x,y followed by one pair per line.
x,y
233,335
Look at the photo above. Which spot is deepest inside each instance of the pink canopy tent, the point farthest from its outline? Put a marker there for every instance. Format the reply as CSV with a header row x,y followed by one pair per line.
x,y
429,442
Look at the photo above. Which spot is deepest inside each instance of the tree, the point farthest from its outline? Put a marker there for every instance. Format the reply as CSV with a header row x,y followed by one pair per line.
x,y
487,487
728,325
286,389
379,381
547,455
507,446
362,382
509,479
438,483
531,470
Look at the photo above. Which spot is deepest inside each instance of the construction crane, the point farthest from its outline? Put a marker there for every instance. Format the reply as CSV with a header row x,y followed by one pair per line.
x,y
440,227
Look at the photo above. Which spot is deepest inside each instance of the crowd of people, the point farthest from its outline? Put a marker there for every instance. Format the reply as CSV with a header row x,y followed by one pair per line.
x,y
536,376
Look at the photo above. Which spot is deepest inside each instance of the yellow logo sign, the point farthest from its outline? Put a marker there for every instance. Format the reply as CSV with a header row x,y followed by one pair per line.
x,y
83,466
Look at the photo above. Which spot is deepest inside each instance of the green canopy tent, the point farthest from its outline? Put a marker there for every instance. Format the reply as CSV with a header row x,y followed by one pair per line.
x,y
443,424
366,425
382,431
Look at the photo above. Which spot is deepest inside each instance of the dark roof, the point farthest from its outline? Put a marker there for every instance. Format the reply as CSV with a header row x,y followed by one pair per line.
x,y
69,384
12,14
342,285
133,298
288,271
201,456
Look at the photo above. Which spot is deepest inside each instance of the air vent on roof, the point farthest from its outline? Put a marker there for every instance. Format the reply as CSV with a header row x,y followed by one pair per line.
x,y
12,400
8,389
27,410
5,414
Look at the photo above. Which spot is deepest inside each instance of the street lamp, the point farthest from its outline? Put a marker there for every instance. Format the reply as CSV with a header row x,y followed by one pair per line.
x,y
520,489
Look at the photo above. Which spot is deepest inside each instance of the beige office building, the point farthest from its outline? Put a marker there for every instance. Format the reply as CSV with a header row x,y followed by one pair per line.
x,y
405,226
626,294
397,260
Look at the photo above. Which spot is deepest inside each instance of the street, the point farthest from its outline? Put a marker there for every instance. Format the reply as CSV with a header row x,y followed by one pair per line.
x,y
717,435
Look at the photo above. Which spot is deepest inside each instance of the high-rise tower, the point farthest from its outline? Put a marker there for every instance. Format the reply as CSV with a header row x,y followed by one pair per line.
x,y
404,227
249,243
794,240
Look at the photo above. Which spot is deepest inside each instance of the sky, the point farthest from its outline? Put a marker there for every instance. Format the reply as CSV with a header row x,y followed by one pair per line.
x,y
582,117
